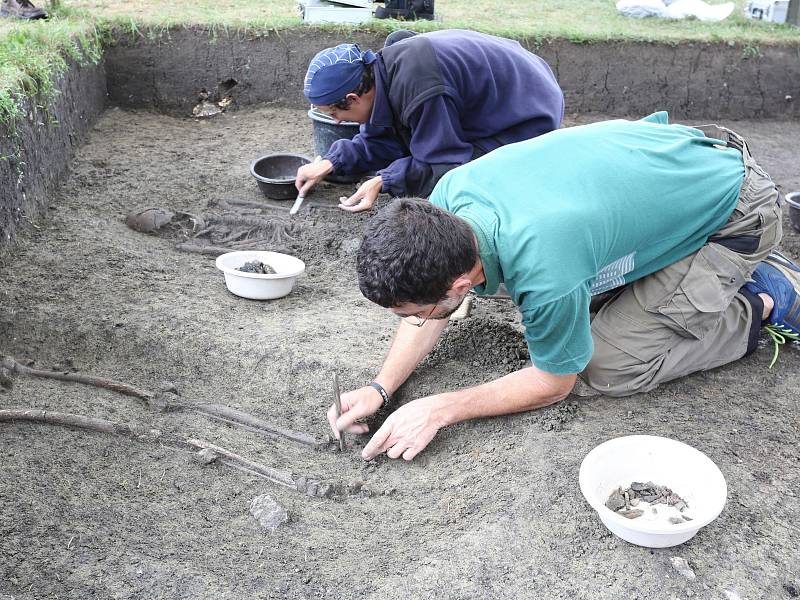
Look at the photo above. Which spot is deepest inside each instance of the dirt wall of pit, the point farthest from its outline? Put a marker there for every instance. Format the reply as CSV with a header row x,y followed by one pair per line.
x,y
169,71
40,145
691,80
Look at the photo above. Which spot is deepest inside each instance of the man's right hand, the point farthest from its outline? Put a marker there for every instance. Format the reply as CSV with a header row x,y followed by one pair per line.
x,y
357,404
310,175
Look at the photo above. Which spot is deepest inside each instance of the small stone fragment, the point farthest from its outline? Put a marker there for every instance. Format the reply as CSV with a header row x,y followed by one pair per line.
x,y
257,267
300,484
634,513
312,487
685,518
682,567
206,109
676,520
325,490
169,387
5,380
206,456
268,512
615,500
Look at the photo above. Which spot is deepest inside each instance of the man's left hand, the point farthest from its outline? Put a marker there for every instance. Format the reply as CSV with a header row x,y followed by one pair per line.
x,y
407,431
365,196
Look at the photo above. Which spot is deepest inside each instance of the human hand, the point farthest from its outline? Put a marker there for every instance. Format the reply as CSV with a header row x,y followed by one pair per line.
x,y
365,196
407,431
310,175
357,404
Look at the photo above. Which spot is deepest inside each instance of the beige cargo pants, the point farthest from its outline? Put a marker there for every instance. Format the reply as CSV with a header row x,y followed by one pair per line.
x,y
692,315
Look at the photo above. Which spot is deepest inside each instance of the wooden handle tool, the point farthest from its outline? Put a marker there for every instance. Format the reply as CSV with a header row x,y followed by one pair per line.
x,y
337,402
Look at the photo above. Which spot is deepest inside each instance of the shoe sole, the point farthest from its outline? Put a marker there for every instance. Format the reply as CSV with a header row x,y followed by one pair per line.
x,y
776,257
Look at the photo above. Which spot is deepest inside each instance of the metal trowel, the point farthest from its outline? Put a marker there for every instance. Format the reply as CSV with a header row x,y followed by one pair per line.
x,y
297,204
299,201
337,402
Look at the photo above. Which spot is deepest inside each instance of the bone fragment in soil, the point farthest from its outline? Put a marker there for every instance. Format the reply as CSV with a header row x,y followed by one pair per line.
x,y
15,366
158,402
206,452
205,250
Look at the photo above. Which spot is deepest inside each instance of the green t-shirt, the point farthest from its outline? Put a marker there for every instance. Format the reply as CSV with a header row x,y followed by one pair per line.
x,y
586,209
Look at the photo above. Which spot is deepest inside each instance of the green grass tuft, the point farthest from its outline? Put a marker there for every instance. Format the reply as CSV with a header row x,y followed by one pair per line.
x,y
32,55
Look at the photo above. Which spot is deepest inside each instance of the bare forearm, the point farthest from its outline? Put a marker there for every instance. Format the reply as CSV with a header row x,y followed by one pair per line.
x,y
411,344
410,428
520,391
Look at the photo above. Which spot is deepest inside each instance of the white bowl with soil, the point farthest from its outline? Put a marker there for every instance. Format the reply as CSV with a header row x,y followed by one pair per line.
x,y
258,281
693,477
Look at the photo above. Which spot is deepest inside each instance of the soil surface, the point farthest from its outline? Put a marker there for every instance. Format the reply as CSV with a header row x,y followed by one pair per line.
x,y
491,509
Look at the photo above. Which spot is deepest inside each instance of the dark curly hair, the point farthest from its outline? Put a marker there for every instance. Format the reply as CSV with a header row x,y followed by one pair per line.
x,y
367,81
412,251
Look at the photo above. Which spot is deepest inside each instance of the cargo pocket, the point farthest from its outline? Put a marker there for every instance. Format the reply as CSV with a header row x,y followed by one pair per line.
x,y
696,306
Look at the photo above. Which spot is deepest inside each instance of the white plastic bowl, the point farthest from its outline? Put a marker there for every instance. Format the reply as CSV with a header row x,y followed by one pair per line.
x,y
254,285
687,471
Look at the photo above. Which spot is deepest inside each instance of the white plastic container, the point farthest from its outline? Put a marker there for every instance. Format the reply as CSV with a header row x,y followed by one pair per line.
x,y
685,470
254,285
774,11
320,11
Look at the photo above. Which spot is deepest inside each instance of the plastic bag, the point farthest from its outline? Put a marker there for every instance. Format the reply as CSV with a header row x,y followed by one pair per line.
x,y
675,9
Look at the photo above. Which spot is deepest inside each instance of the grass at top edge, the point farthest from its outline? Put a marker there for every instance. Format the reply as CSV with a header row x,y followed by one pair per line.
x,y
31,54
776,35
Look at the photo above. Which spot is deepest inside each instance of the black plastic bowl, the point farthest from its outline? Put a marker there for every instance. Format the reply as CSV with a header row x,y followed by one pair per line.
x,y
275,174
793,200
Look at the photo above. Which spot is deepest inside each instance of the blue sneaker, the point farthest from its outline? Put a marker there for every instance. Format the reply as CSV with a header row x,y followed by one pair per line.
x,y
779,277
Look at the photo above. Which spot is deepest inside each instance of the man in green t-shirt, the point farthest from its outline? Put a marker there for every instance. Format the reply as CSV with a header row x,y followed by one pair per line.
x,y
674,226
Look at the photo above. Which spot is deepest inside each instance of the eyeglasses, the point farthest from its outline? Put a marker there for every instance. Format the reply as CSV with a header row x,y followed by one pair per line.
x,y
419,321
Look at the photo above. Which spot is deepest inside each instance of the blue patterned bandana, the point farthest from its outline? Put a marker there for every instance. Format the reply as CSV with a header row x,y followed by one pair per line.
x,y
335,72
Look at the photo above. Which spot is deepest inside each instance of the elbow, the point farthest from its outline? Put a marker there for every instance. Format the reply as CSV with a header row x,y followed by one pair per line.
x,y
561,389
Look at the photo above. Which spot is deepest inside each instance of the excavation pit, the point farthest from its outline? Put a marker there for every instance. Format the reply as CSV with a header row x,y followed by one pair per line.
x,y
491,509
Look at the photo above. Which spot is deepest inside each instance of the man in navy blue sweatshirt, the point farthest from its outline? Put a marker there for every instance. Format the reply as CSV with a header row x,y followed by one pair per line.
x,y
426,104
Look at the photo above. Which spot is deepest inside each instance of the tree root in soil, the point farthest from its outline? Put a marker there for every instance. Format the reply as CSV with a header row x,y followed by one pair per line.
x,y
206,452
158,402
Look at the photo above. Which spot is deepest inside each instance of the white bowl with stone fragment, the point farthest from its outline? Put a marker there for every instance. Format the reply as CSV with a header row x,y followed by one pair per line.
x,y
688,472
259,286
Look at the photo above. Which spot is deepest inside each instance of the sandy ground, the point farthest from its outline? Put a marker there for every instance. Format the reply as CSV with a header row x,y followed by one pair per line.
x,y
491,510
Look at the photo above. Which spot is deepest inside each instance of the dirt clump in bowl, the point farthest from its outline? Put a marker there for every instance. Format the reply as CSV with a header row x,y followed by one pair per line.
x,y
258,267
